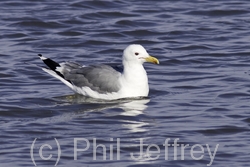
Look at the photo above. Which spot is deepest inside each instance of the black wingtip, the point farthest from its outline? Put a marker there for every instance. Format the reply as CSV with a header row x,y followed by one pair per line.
x,y
50,63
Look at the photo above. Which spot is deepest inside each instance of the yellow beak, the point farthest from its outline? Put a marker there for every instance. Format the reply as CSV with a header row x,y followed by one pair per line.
x,y
152,59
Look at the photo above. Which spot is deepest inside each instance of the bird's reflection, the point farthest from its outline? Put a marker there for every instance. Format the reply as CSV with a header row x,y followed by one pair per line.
x,y
135,108
129,113
132,108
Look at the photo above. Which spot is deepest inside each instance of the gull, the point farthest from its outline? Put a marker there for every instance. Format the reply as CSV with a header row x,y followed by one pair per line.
x,y
105,81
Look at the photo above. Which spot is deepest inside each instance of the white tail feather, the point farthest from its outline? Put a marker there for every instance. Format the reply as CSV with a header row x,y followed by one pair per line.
x,y
54,74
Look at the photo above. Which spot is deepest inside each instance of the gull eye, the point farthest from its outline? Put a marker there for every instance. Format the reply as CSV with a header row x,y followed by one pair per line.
x,y
136,53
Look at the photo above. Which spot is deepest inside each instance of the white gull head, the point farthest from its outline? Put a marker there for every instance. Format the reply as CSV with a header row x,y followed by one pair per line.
x,y
134,80
137,54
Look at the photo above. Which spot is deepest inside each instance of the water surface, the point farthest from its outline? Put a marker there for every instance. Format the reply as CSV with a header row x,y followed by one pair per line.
x,y
199,94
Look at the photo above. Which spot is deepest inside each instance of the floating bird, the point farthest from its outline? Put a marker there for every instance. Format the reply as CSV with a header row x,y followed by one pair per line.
x,y
104,81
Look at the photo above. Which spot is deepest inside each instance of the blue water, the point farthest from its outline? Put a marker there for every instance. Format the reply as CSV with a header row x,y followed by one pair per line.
x,y
199,100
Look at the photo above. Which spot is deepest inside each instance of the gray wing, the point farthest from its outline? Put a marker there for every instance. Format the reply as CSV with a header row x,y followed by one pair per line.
x,y
100,78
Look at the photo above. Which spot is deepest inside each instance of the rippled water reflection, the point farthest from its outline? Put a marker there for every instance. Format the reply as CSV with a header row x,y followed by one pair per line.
x,y
199,93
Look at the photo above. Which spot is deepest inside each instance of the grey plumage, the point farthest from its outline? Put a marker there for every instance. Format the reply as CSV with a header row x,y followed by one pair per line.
x,y
100,78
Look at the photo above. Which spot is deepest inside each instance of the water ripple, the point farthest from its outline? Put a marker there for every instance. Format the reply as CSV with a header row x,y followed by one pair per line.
x,y
199,92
